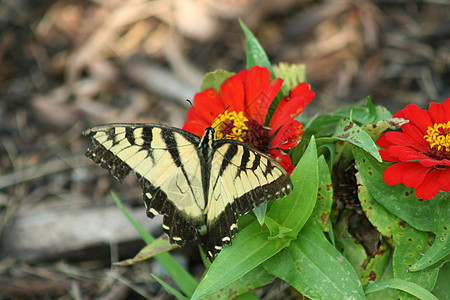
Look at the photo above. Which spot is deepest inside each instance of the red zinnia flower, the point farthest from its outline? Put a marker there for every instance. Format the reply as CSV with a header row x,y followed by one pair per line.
x,y
248,96
421,151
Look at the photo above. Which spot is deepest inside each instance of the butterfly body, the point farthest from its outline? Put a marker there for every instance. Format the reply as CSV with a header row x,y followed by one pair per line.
x,y
192,181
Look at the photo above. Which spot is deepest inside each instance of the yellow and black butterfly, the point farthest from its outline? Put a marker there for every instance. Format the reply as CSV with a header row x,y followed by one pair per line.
x,y
194,182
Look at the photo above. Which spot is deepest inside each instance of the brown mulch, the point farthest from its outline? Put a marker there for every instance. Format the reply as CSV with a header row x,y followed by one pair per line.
x,y
68,65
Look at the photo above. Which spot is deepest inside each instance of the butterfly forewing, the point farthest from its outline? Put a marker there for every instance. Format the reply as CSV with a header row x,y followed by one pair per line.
x,y
166,163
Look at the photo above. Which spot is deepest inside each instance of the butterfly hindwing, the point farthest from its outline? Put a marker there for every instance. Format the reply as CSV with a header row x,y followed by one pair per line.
x,y
242,178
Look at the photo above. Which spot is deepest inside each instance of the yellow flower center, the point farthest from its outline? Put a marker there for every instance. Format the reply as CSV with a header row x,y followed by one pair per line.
x,y
230,125
439,136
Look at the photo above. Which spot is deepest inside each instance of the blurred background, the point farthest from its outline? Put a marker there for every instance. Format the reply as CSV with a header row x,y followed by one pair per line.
x,y
68,65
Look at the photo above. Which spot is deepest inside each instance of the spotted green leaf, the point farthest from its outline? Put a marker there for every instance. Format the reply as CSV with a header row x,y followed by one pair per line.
x,y
379,216
379,127
377,265
397,199
350,132
324,195
440,214
354,252
409,246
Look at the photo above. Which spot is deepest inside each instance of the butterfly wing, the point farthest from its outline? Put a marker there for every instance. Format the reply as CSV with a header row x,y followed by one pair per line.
x,y
166,163
242,178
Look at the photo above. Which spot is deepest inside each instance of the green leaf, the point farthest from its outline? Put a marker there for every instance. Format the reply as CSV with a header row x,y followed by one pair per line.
x,y
402,285
260,213
277,231
252,245
377,265
360,113
255,278
246,296
372,110
215,79
353,252
156,247
323,125
379,127
322,209
169,288
379,216
440,214
294,210
364,113
355,135
292,74
181,277
409,245
397,199
256,56
385,293
315,268
442,288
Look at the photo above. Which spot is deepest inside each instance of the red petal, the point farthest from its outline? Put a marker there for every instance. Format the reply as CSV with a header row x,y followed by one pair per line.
x,y
283,159
303,90
447,108
440,112
257,81
429,187
259,93
191,115
232,94
194,127
416,116
405,153
414,174
383,142
242,75
387,157
416,134
208,106
394,174
429,162
291,105
444,180
288,136
401,139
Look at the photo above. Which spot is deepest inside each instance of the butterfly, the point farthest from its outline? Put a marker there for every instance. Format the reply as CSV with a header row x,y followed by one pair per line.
x,y
196,183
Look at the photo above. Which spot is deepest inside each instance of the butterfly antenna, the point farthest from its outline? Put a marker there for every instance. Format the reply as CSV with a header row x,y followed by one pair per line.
x,y
195,112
